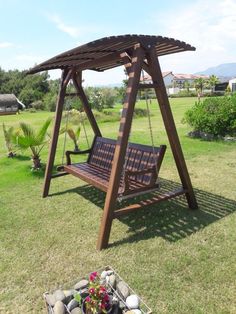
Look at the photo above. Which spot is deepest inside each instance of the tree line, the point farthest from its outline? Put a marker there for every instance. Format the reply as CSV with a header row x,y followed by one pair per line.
x,y
38,91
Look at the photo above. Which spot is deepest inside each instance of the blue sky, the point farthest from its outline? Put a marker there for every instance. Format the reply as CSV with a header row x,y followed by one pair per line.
x,y
34,31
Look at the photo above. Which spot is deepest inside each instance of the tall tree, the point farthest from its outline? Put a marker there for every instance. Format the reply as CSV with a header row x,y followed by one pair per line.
x,y
200,83
213,80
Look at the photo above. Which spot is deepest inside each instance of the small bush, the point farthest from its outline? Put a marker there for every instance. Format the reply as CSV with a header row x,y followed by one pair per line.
x,y
31,110
184,93
139,112
215,115
38,105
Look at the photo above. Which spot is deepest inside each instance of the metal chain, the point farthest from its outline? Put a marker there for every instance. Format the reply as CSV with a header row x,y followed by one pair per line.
x,y
150,123
85,133
65,136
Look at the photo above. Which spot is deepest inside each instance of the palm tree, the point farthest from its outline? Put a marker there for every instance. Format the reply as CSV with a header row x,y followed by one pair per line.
x,y
28,138
187,85
213,80
74,135
200,84
8,133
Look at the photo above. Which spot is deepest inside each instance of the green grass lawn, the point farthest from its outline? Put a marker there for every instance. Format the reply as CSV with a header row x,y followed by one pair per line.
x,y
177,260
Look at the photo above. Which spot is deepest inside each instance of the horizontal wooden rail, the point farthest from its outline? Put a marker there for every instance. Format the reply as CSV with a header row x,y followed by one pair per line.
x,y
146,85
59,174
155,199
72,94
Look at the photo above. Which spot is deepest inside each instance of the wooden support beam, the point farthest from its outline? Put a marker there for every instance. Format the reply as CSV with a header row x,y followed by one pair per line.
x,y
156,74
99,61
72,94
77,80
65,78
120,150
147,86
153,200
59,174
126,61
145,65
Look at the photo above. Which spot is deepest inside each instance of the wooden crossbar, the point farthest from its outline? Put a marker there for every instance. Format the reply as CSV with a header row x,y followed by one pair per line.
x,y
146,86
155,199
72,94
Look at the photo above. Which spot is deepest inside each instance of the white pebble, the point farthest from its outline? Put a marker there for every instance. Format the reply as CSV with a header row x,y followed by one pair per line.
x,y
103,274
132,301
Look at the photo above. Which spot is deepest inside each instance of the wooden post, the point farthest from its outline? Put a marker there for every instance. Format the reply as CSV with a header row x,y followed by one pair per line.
x,y
77,80
120,150
65,78
156,74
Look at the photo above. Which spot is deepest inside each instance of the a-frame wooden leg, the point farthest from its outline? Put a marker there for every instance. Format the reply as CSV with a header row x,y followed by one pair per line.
x,y
120,151
77,80
65,78
156,74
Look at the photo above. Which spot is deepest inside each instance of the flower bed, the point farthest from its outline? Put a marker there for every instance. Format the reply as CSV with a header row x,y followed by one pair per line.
x,y
97,293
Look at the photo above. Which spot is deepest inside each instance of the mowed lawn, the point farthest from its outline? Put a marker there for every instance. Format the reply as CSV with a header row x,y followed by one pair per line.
x,y
177,260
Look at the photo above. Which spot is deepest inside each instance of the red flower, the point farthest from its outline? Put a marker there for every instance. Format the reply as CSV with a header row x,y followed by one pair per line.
x,y
93,276
102,306
88,299
106,298
102,290
92,291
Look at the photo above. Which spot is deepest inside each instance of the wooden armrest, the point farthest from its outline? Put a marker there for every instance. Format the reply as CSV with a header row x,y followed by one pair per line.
x,y
129,173
71,152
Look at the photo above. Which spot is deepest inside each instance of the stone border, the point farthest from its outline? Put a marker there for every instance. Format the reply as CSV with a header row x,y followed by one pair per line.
x,y
61,301
210,137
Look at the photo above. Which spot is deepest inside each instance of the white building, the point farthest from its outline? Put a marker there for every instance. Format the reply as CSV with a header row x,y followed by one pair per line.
x,y
175,82
232,85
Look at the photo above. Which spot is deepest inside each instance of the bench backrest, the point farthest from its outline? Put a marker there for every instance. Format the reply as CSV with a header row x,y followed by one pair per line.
x,y
138,157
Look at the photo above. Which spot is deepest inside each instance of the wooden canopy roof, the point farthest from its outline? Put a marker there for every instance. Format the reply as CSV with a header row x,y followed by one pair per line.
x,y
105,53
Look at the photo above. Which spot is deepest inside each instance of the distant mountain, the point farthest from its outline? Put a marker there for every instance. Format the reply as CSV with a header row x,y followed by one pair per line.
x,y
222,70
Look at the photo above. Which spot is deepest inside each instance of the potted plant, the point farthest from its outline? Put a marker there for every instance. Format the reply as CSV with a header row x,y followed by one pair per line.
x,y
98,301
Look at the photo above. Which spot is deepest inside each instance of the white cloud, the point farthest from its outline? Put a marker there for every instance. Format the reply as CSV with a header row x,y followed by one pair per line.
x,y
73,31
6,45
70,30
207,25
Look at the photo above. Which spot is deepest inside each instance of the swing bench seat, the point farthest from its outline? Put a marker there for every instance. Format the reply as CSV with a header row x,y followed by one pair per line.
x,y
142,164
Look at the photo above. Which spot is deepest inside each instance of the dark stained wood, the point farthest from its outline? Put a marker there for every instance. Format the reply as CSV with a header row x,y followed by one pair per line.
x,y
72,94
146,86
168,119
140,173
122,141
65,78
77,80
104,53
59,174
126,61
153,200
69,153
111,166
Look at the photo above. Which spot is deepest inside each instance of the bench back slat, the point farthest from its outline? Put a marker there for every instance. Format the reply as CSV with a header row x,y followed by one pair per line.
x,y
138,157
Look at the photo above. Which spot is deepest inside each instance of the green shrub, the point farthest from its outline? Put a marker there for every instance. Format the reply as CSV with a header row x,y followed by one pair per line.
x,y
215,115
139,112
184,93
38,105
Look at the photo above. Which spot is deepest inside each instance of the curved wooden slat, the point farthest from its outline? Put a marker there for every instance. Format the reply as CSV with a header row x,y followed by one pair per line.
x,y
90,55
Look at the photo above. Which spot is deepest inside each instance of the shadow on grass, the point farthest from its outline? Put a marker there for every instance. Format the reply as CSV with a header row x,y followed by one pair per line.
x,y
22,158
171,220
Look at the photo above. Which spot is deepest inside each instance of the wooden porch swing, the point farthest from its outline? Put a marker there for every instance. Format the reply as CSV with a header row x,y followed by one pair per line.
x,y
120,168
